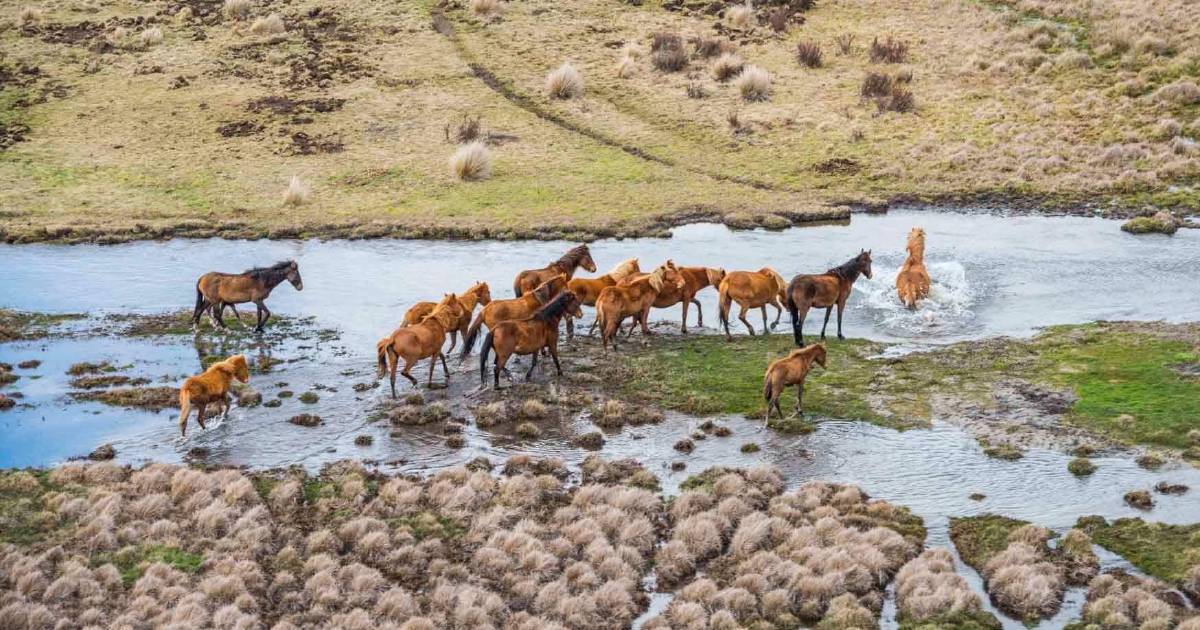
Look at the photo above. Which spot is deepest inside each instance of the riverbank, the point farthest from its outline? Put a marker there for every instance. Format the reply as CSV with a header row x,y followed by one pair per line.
x,y
1046,109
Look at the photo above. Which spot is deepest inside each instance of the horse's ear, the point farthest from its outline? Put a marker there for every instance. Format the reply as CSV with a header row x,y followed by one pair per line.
x,y
294,265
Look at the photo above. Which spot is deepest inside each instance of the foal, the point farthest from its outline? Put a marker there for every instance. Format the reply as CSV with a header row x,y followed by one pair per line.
x,y
527,336
824,291
210,387
791,370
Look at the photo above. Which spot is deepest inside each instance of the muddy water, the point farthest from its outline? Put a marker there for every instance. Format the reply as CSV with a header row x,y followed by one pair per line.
x,y
992,275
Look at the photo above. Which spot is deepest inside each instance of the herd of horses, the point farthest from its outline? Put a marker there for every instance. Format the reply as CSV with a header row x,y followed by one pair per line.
x,y
529,323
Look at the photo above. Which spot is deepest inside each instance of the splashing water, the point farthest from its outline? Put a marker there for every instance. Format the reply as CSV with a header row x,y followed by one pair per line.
x,y
948,310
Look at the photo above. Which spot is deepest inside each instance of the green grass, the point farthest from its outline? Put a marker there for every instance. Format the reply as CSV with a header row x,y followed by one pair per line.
x,y
429,525
24,517
1122,374
1164,551
978,538
963,621
132,561
16,325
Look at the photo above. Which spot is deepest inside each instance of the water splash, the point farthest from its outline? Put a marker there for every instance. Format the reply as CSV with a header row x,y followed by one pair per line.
x,y
948,311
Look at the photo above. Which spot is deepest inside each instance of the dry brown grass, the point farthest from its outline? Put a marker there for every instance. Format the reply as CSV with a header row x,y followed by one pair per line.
x,y
742,15
238,9
487,8
564,82
269,25
753,83
888,50
296,193
471,162
808,54
727,66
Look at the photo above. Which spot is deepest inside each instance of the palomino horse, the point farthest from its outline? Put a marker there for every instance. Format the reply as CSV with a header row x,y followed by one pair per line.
x,y
694,279
215,290
791,370
575,257
631,300
517,308
477,294
588,289
750,289
210,387
912,283
824,291
424,340
527,336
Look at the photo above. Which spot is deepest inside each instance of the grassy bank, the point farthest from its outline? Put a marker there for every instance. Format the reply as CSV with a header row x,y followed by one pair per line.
x,y
1128,380
1168,552
366,108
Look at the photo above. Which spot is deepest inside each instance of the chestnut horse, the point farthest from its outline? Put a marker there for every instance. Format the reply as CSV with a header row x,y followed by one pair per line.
x,y
215,290
588,289
824,291
477,294
694,279
791,370
424,340
210,387
750,289
634,299
517,308
576,257
527,336
912,283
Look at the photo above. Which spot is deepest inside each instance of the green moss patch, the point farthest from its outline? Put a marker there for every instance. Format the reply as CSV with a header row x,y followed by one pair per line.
x,y
1164,551
17,325
429,525
132,561
963,621
24,517
978,538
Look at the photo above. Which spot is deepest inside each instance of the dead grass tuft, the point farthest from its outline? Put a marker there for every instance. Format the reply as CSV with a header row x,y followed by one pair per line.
x,y
888,51
471,162
297,192
270,25
237,9
564,82
808,54
487,8
875,84
667,52
754,84
742,15
727,66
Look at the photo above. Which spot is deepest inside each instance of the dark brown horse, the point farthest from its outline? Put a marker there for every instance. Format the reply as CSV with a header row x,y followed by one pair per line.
x,y
576,257
528,336
824,291
215,290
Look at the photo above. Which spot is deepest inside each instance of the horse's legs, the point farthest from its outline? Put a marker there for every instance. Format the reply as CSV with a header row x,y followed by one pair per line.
x,y
432,365
841,306
266,314
644,317
685,302
445,370
393,363
225,403
570,327
799,400
532,364
798,323
408,365
201,306
453,340
554,354
766,329
742,316
185,408
501,360
699,312
778,311
200,414
828,310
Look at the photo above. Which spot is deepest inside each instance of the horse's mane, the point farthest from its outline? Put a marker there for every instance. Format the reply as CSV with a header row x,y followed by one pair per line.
x,y
571,259
552,310
806,350
624,269
848,270
656,278
274,272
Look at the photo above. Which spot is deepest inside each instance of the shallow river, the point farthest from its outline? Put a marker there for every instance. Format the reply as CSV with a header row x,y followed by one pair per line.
x,y
992,275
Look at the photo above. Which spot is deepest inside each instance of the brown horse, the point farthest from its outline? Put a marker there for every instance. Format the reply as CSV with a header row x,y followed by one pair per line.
x,y
791,370
210,387
588,289
517,308
912,283
527,336
750,289
631,300
575,257
215,290
424,340
477,294
824,291
694,279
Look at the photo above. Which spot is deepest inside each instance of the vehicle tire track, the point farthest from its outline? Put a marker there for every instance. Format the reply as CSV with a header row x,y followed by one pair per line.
x,y
442,25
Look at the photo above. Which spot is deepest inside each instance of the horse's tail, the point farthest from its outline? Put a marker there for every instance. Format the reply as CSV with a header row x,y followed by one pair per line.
x,y
517,286
483,356
794,313
382,350
199,303
767,387
724,300
185,407
469,338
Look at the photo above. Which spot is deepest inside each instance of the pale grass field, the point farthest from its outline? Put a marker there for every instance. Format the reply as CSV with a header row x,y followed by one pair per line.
x,y
116,151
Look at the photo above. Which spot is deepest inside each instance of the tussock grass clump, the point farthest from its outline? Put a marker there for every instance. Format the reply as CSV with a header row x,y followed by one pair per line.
x,y
150,37
297,192
1120,600
808,54
888,50
754,84
269,25
727,66
528,430
667,52
471,162
487,8
899,100
1081,467
709,47
237,9
626,67
29,15
928,588
742,15
1180,92
845,43
564,82
875,84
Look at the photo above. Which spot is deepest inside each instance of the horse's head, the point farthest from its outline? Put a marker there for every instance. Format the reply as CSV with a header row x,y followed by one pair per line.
x,y
240,370
293,275
573,305
916,242
625,269
483,294
715,275
586,260
448,311
864,262
819,354
673,276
